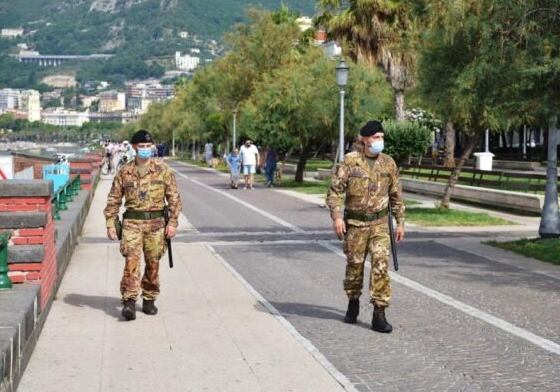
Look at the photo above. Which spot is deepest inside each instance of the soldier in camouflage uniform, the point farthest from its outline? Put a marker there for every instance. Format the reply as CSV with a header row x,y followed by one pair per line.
x,y
363,186
145,184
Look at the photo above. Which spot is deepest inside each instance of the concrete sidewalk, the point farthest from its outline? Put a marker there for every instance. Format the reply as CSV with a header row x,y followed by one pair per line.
x,y
211,333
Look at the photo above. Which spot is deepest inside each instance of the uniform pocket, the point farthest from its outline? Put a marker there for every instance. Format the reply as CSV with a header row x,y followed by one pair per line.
x,y
129,189
384,179
357,184
157,191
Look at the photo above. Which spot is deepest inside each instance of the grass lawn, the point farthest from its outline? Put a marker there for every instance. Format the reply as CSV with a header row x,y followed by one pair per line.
x,y
545,250
312,164
436,217
309,187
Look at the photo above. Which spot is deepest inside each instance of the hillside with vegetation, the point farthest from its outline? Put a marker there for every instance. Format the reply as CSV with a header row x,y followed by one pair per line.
x,y
142,34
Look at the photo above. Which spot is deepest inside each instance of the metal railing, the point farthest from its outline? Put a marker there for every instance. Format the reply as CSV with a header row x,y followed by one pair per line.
x,y
5,281
65,194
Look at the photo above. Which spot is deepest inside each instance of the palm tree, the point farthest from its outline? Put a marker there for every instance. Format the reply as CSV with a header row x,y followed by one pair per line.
x,y
377,33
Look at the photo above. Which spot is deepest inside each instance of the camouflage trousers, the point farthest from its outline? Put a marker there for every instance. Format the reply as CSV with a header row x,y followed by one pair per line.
x,y
142,237
358,243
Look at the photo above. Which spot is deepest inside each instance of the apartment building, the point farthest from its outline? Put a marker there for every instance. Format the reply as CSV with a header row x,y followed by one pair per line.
x,y
186,62
139,96
11,33
112,101
30,104
9,98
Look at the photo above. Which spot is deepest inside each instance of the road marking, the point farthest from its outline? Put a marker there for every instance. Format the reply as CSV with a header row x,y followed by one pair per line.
x,y
245,204
257,233
539,341
307,345
247,243
185,224
470,310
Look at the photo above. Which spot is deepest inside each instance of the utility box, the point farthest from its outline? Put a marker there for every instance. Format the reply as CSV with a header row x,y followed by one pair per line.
x,y
59,174
484,160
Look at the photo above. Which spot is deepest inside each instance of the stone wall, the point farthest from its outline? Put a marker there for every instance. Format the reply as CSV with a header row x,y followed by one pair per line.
x,y
88,169
38,254
25,209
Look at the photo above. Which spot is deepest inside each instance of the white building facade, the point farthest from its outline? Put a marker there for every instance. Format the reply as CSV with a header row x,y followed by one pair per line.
x,y
186,62
64,118
11,33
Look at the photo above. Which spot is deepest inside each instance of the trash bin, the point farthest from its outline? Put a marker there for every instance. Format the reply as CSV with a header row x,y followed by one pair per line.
x,y
484,160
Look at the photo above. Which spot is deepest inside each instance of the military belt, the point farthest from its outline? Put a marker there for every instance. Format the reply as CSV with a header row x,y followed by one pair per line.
x,y
365,217
145,215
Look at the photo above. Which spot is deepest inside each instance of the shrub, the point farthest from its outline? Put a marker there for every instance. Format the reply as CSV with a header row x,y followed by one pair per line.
x,y
405,138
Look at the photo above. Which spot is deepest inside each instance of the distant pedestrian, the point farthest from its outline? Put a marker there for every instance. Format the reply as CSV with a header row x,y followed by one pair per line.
x,y
209,153
435,151
250,159
270,158
365,185
160,150
234,163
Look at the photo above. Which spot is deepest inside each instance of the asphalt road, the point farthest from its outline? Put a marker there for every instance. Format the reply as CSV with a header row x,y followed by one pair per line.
x,y
463,320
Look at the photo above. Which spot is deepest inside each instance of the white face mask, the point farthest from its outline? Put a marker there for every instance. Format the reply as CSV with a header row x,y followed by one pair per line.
x,y
376,147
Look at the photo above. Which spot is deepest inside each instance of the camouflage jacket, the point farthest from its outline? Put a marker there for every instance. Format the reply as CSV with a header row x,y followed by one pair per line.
x,y
359,188
146,193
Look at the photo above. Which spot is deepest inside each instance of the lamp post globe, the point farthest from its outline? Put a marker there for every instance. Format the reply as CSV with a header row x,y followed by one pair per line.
x,y
342,72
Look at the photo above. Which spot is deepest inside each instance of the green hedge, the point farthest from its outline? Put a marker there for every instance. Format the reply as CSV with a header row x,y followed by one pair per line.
x,y
405,138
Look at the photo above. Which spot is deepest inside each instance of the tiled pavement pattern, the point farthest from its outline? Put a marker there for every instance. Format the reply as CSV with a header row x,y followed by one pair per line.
x,y
434,347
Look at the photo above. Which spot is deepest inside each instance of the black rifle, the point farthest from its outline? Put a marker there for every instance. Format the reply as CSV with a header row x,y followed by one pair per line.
x,y
393,243
169,250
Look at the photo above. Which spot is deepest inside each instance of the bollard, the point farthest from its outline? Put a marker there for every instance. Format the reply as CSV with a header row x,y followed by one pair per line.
x,y
62,200
68,192
5,282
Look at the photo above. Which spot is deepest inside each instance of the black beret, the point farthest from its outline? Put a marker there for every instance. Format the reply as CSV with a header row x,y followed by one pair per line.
x,y
142,136
371,128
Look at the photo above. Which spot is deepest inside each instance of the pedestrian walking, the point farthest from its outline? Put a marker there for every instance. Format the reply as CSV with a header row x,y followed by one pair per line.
x,y
270,158
160,150
234,162
250,159
365,184
146,185
434,147
208,153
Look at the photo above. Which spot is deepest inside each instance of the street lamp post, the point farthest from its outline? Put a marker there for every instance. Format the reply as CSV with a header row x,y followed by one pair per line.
x,y
173,144
234,128
342,81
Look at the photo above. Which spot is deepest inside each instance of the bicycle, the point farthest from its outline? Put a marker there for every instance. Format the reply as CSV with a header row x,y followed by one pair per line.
x,y
106,167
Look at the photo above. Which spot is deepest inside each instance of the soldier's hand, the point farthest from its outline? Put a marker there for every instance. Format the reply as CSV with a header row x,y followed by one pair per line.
x,y
339,227
399,233
170,231
112,233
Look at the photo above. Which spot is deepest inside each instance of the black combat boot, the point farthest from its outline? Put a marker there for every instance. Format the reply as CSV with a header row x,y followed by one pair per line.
x,y
129,309
149,307
352,312
379,322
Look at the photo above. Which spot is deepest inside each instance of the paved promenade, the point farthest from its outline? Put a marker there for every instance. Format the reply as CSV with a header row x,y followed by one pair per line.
x,y
211,333
255,303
